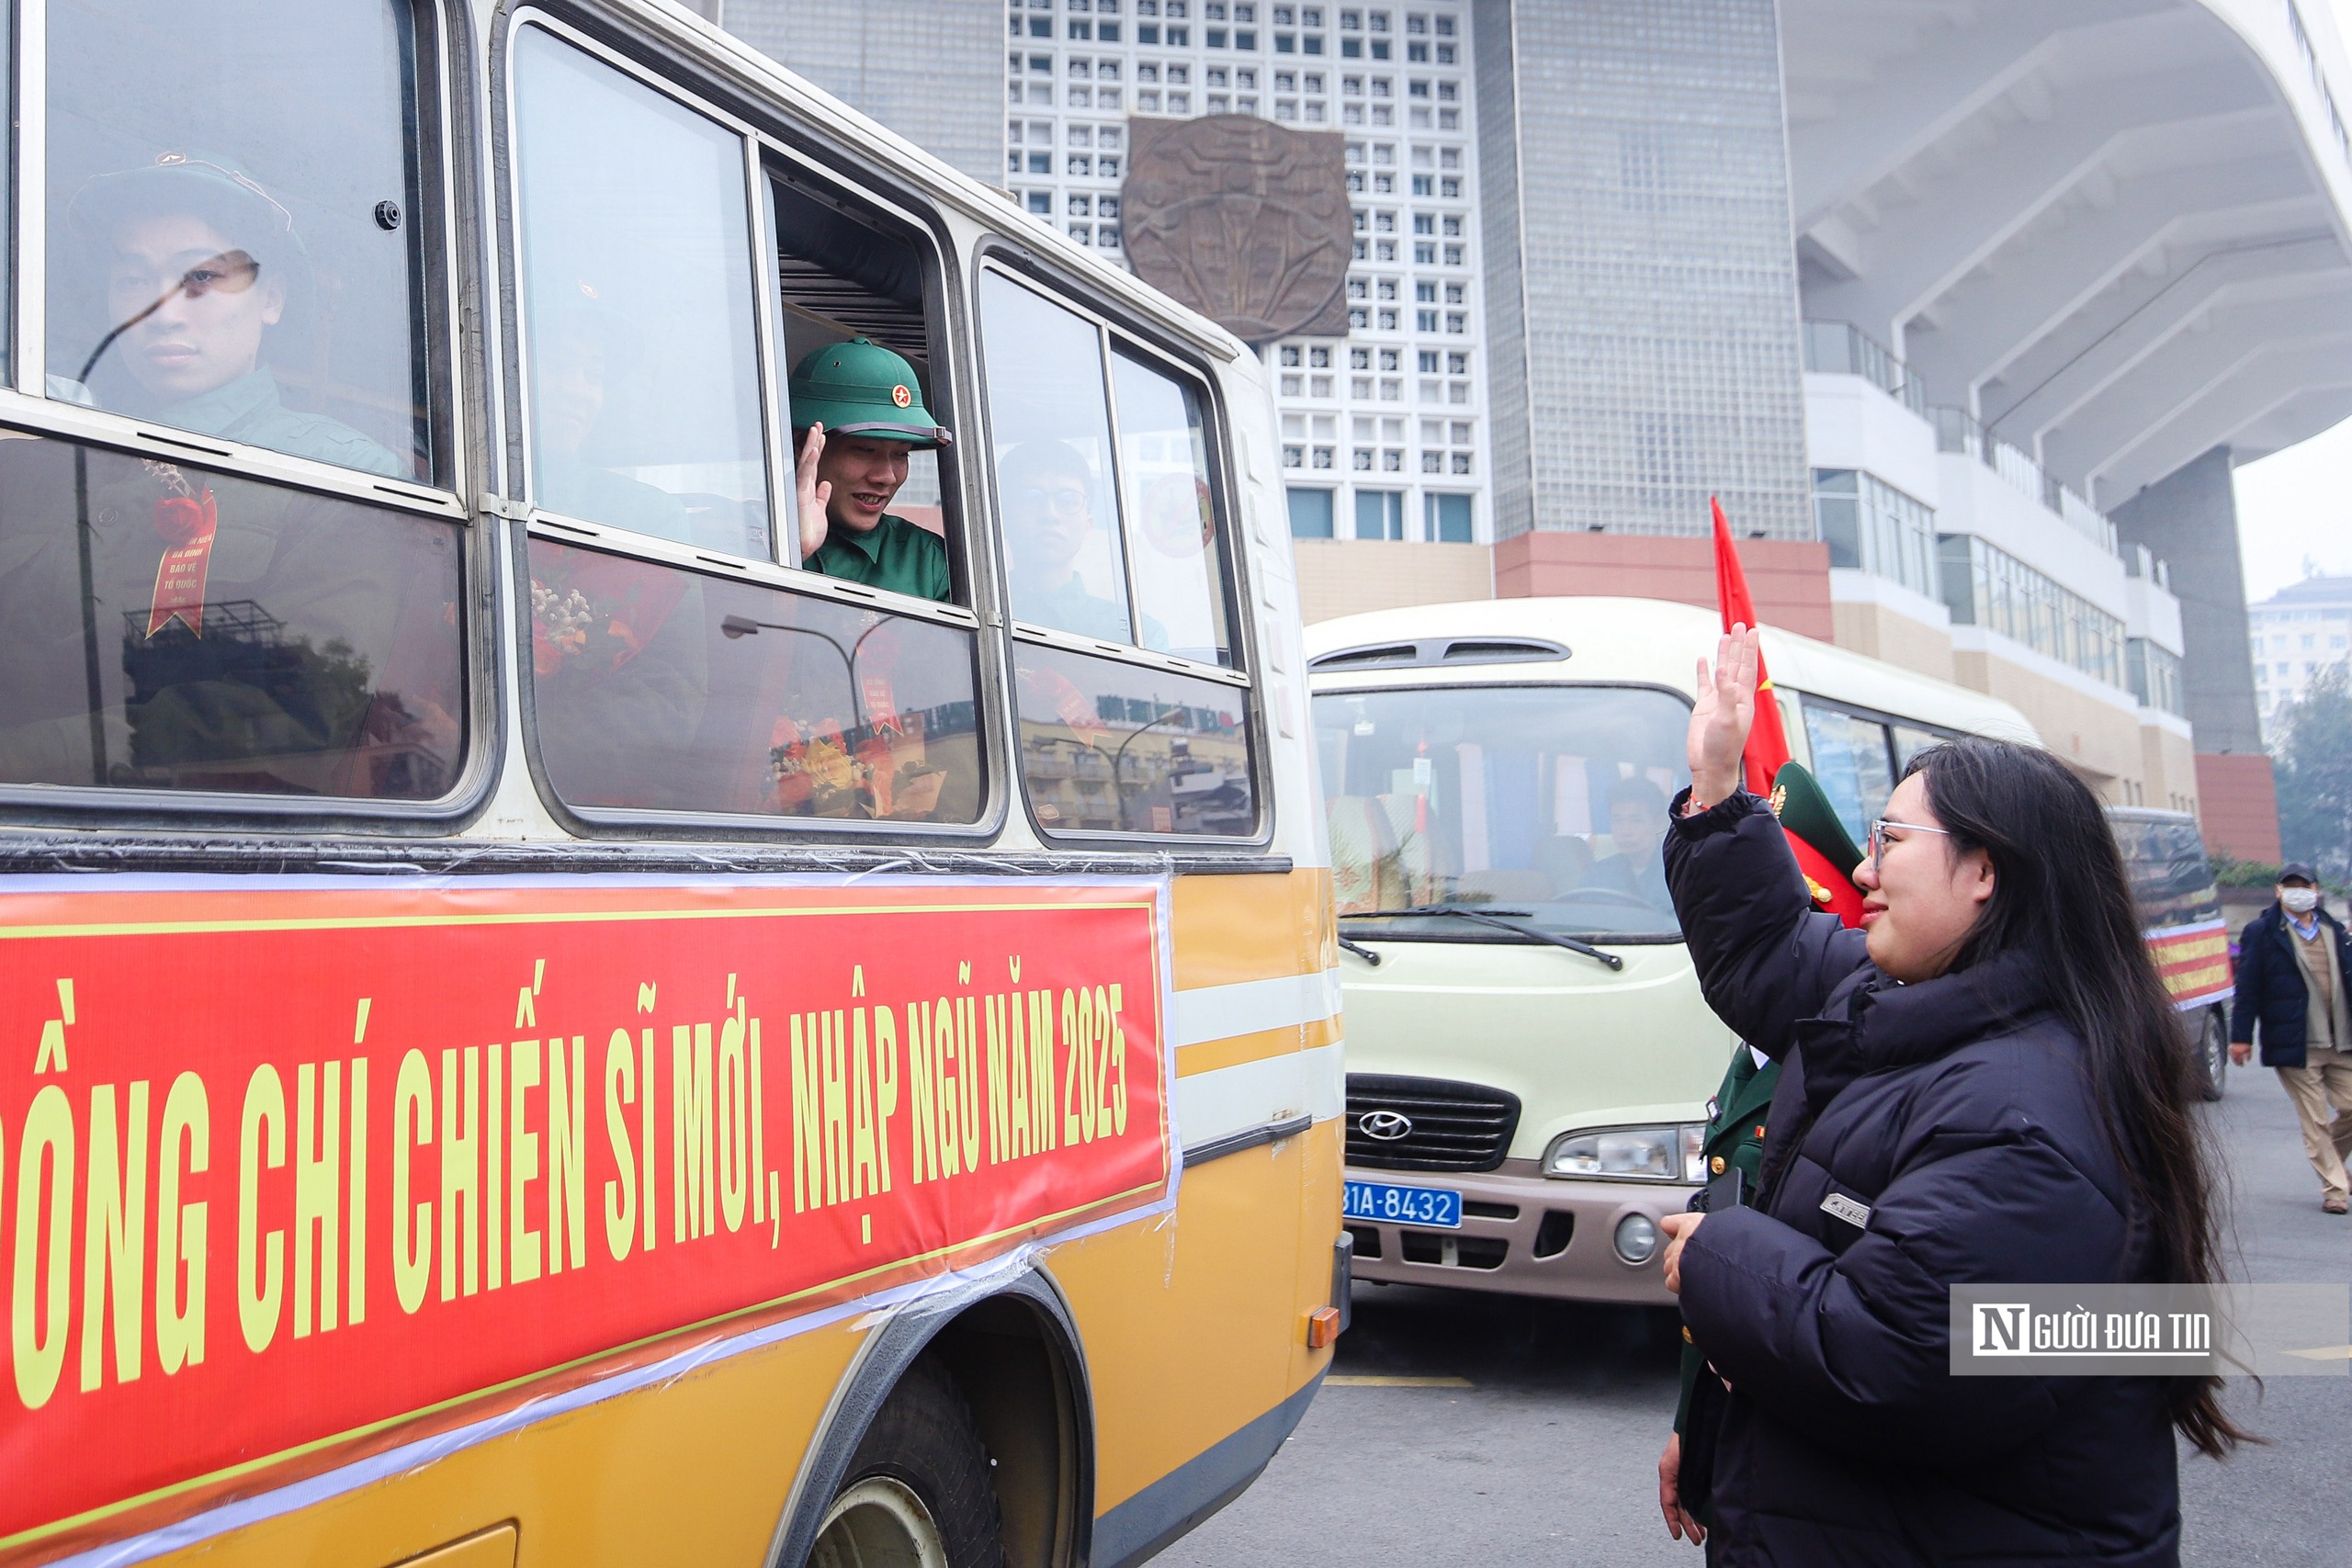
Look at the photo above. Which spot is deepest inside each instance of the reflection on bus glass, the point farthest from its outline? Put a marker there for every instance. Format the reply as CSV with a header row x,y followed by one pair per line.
x,y
1052,433
1163,467
173,629
1109,747
638,298
1851,761
2172,881
656,689
231,249
1549,802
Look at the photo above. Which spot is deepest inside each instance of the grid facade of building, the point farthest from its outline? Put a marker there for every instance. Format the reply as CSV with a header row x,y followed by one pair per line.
x,y
925,68
1645,315
1383,430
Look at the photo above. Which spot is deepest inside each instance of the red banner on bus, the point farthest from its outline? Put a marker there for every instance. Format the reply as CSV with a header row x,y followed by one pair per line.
x,y
307,1169
2194,961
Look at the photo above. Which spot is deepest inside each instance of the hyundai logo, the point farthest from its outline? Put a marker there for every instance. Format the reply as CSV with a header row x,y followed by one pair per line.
x,y
1386,1127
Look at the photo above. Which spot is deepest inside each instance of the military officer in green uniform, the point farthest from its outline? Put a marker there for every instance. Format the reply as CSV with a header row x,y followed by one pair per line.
x,y
857,411
1738,1117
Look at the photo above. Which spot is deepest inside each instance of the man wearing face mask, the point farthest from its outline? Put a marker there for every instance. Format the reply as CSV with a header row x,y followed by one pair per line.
x,y
2293,962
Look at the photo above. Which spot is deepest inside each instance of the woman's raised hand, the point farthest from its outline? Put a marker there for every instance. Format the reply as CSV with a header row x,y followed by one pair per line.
x,y
1719,722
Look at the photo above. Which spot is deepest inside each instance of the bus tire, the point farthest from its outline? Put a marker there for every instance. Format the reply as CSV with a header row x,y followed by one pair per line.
x,y
916,1493
2212,1053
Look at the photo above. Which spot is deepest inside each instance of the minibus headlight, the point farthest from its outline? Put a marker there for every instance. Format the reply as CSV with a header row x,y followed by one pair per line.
x,y
1631,1154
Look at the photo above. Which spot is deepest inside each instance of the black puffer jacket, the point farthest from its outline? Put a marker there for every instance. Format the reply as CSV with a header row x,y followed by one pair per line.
x,y
1958,1111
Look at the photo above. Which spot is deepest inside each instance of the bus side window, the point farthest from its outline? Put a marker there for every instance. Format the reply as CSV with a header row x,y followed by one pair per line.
x,y
1171,512
850,276
1112,744
184,628
639,320
235,247
1850,762
656,689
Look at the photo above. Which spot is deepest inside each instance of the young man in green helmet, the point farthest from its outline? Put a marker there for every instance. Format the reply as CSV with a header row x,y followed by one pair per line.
x,y
857,411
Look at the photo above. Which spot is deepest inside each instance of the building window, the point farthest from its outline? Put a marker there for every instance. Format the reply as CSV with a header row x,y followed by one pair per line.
x,y
1310,512
1871,526
2154,672
1987,587
1380,513
1446,518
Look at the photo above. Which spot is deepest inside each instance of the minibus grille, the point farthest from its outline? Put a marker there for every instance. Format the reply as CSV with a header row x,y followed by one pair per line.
x,y
1453,1126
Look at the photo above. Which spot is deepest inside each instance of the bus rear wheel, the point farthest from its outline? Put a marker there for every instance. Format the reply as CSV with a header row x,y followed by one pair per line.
x,y
917,1492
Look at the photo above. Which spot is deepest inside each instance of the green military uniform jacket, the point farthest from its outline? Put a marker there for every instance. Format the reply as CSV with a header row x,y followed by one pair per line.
x,y
1737,1120
894,555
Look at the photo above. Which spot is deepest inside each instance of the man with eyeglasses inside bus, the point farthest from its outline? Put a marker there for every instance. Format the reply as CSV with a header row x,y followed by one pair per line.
x,y
857,412
1048,492
199,262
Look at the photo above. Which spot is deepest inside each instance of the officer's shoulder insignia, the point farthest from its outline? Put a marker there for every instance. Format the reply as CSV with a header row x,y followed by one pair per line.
x,y
1780,798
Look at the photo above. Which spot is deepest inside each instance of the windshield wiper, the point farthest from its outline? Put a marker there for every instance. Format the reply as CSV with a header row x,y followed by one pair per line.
x,y
1494,917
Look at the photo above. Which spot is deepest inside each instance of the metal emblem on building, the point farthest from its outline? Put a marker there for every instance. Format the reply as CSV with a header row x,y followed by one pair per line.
x,y
1386,1127
1245,220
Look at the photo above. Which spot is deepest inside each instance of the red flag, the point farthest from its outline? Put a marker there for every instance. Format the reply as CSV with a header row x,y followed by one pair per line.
x,y
1768,743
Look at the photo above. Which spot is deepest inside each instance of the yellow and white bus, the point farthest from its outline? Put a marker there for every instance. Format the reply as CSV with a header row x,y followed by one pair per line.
x,y
1529,1053
540,1029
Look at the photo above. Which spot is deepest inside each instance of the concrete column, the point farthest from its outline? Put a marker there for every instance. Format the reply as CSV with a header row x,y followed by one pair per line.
x,y
2189,518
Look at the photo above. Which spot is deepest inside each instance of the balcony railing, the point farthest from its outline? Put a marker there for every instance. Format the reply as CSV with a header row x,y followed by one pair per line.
x,y
1842,348
1957,430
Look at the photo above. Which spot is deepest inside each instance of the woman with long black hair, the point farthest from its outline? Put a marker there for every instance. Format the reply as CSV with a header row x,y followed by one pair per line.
x,y
1985,1084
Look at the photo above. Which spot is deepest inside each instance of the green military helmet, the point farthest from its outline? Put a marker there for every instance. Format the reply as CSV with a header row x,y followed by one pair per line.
x,y
859,388
211,186
1804,810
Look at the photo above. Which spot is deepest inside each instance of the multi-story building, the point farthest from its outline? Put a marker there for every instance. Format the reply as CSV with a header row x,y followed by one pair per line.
x,y
1383,430
1966,313
2294,634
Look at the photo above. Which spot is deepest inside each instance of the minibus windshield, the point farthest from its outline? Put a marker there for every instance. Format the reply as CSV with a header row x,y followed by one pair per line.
x,y
1546,801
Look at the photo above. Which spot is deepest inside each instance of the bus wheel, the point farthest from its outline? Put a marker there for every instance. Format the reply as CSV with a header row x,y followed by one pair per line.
x,y
918,1494
2212,1055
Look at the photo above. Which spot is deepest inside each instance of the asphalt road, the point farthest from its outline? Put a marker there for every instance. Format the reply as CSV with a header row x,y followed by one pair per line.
x,y
1543,1446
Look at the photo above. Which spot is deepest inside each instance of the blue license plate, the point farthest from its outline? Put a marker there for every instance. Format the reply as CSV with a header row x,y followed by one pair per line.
x,y
1404,1205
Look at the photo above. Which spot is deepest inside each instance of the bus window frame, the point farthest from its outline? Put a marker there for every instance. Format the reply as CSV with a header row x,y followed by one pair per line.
x,y
437,39
1020,264
1885,721
782,163
524,483
460,410
764,152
